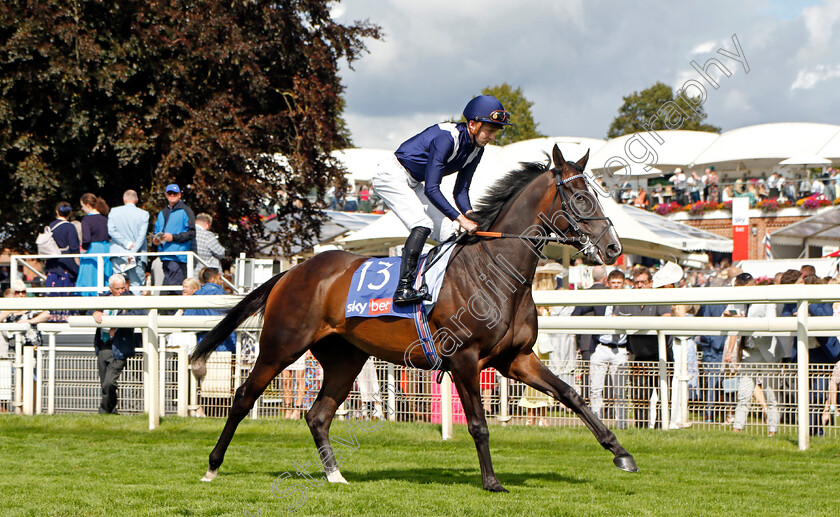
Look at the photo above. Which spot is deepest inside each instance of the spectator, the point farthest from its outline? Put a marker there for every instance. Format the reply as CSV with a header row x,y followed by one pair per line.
x,y
712,348
62,272
174,232
773,185
95,239
128,227
212,286
727,194
207,245
588,342
679,181
669,277
644,349
822,350
761,191
695,187
787,190
641,200
611,355
831,398
113,346
807,270
369,391
31,336
712,185
758,350
364,199
805,186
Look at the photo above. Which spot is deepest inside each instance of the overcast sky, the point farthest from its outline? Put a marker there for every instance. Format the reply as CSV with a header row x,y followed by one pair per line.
x,y
576,59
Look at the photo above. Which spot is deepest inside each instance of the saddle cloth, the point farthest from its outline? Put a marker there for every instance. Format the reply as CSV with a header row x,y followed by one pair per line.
x,y
374,282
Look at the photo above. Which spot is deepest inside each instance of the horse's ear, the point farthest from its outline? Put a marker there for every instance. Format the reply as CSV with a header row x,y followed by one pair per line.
x,y
558,157
582,161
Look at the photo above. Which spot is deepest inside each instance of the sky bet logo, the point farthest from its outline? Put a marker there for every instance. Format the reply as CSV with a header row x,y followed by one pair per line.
x,y
373,307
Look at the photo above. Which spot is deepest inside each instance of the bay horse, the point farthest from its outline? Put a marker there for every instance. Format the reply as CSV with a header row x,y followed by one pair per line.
x,y
304,309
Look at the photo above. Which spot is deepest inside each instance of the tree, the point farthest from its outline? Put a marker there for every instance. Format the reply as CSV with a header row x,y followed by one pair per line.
x,y
103,96
658,108
524,127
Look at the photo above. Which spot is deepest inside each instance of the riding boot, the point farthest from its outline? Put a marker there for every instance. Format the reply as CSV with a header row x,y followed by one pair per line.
x,y
405,293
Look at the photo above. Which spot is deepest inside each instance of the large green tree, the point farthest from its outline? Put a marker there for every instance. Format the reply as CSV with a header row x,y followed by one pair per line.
x,y
105,95
658,107
524,127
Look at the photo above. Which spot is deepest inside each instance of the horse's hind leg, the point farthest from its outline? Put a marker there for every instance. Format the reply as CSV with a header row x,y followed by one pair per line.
x,y
528,369
264,371
341,362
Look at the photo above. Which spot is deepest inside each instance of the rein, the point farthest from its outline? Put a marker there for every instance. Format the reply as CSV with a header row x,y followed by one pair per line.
x,y
571,218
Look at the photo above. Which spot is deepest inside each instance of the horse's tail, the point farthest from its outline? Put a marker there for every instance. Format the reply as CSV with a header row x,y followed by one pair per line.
x,y
253,303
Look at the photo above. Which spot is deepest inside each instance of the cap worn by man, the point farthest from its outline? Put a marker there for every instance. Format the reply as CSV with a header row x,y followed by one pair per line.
x,y
172,187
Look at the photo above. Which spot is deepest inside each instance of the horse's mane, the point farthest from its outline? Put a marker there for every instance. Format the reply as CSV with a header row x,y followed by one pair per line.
x,y
504,191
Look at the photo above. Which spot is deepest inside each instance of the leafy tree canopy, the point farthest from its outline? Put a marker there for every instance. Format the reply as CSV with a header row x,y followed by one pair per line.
x,y
103,96
659,108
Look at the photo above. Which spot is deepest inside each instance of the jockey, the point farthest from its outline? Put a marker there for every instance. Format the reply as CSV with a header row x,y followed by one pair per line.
x,y
410,182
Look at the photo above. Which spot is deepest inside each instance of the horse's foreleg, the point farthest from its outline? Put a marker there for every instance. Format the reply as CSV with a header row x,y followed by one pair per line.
x,y
528,369
243,401
341,362
466,379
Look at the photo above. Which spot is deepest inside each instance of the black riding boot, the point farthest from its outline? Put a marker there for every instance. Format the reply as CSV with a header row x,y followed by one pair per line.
x,y
405,293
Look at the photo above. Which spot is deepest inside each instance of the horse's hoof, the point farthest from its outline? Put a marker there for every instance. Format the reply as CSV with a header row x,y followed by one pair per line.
x,y
210,476
626,462
336,477
495,487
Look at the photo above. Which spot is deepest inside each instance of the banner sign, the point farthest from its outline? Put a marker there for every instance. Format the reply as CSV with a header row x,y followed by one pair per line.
x,y
740,228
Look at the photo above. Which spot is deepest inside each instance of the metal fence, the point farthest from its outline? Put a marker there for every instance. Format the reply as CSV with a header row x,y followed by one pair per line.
x,y
407,394
410,395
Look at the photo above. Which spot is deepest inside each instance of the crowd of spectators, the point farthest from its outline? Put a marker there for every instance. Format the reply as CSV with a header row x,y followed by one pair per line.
x,y
695,191
713,360
129,231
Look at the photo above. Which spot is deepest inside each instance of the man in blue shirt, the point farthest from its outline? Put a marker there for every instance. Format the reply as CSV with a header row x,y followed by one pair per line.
x,y
174,231
410,182
127,227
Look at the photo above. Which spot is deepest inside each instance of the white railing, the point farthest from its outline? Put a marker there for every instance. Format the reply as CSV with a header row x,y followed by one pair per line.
x,y
19,262
802,326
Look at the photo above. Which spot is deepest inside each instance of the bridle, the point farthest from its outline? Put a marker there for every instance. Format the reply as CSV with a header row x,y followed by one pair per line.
x,y
572,217
567,210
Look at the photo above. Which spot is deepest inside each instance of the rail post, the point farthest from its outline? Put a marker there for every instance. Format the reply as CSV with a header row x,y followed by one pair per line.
x,y
28,370
183,379
151,369
18,403
446,408
51,376
392,391
802,385
663,380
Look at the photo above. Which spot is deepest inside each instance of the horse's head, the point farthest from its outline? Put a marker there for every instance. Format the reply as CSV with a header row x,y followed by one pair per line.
x,y
576,214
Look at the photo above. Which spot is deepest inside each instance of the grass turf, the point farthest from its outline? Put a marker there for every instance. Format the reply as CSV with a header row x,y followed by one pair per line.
x,y
96,465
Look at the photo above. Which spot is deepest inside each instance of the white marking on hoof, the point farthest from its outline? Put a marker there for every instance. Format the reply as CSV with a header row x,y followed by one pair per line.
x,y
210,476
336,477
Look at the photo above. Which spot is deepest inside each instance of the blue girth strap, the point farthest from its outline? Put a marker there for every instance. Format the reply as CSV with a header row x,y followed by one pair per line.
x,y
422,322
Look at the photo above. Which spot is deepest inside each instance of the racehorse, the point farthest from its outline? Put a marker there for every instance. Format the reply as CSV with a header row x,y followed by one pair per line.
x,y
304,309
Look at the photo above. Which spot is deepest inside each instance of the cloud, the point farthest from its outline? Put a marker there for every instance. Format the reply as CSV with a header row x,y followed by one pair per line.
x,y
575,60
808,79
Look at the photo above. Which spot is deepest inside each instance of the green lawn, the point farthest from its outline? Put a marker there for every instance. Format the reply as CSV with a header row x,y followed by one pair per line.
x,y
113,466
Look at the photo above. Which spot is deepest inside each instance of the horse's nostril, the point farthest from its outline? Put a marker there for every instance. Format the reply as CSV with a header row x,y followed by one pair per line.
x,y
613,250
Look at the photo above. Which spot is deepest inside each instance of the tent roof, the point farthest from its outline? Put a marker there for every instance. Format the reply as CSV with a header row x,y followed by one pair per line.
x,y
772,142
831,149
640,232
822,229
679,150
